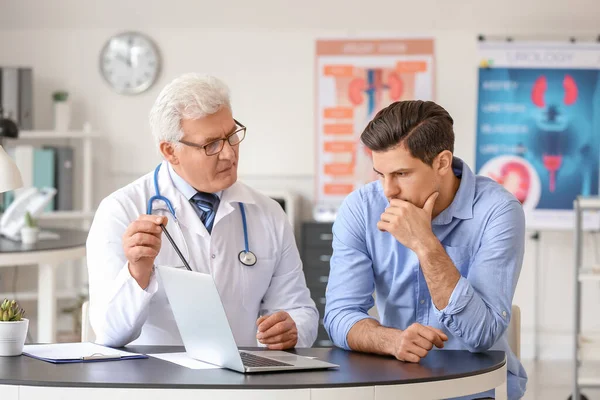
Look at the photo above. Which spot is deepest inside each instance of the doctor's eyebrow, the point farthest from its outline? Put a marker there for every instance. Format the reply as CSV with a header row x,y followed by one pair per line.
x,y
210,140
213,138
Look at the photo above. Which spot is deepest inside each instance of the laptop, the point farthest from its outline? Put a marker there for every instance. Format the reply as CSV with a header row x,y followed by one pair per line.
x,y
206,333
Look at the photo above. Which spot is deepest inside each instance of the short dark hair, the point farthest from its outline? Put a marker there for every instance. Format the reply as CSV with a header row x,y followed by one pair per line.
x,y
424,127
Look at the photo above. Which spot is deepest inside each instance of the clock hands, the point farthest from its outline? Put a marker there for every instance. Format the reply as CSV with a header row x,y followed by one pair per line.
x,y
125,60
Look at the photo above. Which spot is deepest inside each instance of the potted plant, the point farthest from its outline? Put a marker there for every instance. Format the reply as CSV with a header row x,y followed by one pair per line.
x,y
13,328
29,233
62,111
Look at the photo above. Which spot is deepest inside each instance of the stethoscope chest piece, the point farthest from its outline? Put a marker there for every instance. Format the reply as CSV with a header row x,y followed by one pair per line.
x,y
247,258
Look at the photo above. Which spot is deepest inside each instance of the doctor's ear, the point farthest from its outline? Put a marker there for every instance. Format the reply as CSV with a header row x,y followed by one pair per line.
x,y
168,151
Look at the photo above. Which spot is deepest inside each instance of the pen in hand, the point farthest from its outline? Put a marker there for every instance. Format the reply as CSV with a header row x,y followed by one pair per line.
x,y
175,247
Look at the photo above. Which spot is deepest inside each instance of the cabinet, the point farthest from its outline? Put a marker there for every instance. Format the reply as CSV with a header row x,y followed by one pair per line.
x,y
316,252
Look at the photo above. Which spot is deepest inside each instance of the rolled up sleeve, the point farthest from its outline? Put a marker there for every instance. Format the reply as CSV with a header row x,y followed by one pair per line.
x,y
478,311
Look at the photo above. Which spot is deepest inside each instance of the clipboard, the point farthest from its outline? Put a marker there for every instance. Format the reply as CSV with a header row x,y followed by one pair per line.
x,y
64,353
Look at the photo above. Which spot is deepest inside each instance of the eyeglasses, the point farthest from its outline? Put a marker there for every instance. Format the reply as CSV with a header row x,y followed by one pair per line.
x,y
216,146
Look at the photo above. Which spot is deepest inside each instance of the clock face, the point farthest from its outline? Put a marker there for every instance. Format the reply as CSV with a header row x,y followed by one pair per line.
x,y
130,63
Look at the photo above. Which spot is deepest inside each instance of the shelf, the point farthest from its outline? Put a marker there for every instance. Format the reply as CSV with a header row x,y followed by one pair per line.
x,y
589,274
29,296
66,215
588,349
588,382
589,203
585,347
55,135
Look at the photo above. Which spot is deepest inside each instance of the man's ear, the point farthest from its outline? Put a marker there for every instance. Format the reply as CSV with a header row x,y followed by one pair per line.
x,y
167,149
443,162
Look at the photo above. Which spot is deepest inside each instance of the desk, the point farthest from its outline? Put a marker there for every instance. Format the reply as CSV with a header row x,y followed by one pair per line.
x,y
443,373
46,254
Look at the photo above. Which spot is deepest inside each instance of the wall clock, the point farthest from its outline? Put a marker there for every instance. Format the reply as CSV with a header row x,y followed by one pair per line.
x,y
130,63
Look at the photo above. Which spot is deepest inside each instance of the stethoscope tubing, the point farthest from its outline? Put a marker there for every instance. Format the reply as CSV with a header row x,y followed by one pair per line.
x,y
246,257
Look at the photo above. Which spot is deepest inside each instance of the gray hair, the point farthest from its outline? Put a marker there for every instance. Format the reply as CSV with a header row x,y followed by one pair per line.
x,y
191,96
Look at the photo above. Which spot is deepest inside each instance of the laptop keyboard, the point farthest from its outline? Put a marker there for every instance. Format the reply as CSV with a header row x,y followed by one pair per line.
x,y
251,360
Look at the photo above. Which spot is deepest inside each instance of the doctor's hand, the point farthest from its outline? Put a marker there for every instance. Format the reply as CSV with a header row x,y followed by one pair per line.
x,y
416,341
278,331
409,224
141,243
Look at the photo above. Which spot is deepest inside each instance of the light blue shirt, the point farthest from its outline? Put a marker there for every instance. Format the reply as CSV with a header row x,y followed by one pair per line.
x,y
185,188
483,232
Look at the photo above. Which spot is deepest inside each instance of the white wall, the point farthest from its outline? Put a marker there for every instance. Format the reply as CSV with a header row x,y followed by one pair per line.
x,y
264,50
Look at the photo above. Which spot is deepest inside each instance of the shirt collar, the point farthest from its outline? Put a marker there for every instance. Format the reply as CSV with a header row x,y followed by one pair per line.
x,y
462,204
185,188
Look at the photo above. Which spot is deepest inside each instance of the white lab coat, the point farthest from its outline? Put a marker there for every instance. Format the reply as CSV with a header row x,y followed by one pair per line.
x,y
121,312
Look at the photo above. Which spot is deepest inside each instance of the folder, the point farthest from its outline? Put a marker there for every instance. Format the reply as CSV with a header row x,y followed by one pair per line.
x,y
62,353
43,171
63,177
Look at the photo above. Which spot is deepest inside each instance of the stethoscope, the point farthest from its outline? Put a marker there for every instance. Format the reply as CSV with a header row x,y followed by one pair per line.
x,y
245,256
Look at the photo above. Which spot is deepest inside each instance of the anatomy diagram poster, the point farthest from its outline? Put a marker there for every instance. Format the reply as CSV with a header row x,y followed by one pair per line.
x,y
538,125
356,79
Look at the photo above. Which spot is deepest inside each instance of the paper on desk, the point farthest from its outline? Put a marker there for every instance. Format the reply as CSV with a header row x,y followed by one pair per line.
x,y
73,351
184,360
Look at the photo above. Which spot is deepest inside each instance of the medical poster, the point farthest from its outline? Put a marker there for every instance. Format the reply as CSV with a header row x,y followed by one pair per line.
x,y
538,125
354,80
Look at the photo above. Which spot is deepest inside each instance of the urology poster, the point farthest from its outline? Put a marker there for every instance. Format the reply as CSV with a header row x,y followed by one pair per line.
x,y
354,80
538,125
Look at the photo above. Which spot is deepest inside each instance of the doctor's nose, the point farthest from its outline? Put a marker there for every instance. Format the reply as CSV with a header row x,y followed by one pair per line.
x,y
228,153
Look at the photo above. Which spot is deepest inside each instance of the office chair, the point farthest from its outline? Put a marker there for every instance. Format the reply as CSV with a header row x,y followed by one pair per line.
x,y
514,331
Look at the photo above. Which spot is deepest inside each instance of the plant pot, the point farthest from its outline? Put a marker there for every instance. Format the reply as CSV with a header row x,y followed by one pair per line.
x,y
29,235
62,116
12,337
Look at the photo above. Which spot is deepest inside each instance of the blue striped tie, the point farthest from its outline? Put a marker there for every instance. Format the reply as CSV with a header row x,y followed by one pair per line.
x,y
207,204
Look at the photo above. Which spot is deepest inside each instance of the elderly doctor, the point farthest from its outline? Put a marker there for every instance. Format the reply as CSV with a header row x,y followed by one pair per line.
x,y
210,216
